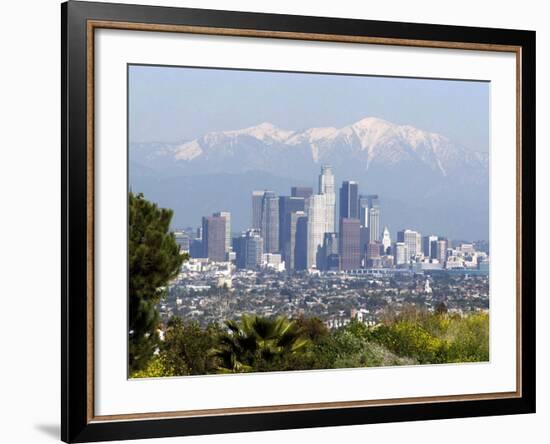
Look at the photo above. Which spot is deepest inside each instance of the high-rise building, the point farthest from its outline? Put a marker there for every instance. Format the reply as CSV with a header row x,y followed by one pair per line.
x,y
363,243
428,243
349,249
250,250
373,250
364,210
303,192
442,251
270,222
289,252
326,187
373,254
213,238
401,255
287,206
227,216
183,240
196,249
349,200
316,224
301,241
374,224
330,249
257,199
386,240
413,240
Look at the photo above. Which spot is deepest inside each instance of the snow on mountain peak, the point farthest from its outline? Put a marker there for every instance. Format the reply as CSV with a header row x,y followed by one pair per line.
x,y
372,123
264,131
369,140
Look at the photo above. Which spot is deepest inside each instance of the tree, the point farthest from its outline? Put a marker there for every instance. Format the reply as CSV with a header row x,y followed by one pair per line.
x,y
259,344
188,349
153,260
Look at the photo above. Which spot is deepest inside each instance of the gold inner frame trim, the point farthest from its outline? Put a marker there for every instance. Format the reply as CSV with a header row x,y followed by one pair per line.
x,y
98,24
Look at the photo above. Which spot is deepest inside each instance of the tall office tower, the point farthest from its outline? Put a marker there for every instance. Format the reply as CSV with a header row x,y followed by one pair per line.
x,y
349,249
213,238
289,252
254,250
330,249
270,222
227,216
373,250
257,198
349,200
412,239
363,243
303,192
236,246
386,241
326,187
434,248
442,251
373,254
374,223
316,223
196,249
427,243
400,253
301,242
183,240
250,250
287,206
364,210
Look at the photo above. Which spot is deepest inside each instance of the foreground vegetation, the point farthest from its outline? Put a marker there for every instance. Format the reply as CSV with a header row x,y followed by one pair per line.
x,y
257,344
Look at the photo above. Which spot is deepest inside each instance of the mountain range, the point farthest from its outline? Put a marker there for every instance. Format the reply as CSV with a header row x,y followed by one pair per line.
x,y
424,180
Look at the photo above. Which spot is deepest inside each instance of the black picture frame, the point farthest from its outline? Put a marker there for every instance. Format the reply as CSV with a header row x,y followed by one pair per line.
x,y
76,424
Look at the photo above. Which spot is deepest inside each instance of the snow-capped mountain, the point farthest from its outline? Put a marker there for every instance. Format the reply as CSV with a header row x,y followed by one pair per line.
x,y
363,145
425,175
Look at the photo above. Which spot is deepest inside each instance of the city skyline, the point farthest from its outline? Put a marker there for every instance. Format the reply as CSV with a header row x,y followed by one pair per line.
x,y
298,232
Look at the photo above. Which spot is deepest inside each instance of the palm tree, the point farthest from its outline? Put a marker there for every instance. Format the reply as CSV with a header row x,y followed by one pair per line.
x,y
257,342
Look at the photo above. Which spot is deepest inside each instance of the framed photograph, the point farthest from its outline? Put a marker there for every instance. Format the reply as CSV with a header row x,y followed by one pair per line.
x,y
275,221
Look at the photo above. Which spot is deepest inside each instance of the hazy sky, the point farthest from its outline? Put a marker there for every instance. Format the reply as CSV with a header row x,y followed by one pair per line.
x,y
169,104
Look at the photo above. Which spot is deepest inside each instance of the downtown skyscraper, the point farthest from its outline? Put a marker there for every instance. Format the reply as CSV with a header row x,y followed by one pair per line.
x,y
249,248
326,188
227,216
413,241
270,222
350,251
213,238
373,214
257,200
316,215
288,206
386,240
349,200
429,246
364,210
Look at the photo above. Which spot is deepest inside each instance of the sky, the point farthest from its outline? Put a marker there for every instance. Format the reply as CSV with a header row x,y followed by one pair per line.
x,y
172,104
